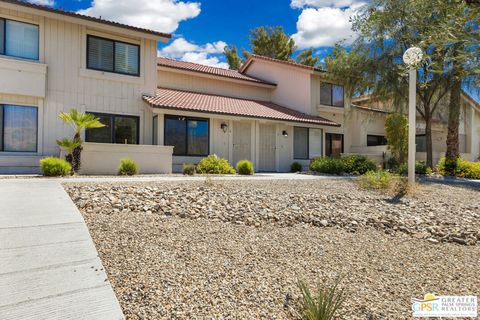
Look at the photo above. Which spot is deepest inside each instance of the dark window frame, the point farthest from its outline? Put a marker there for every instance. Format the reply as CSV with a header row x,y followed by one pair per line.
x,y
169,116
89,36
4,40
113,116
382,139
327,134
420,135
308,143
2,133
154,138
330,104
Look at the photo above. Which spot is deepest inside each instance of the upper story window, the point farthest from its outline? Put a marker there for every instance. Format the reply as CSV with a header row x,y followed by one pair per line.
x,y
113,56
331,95
18,39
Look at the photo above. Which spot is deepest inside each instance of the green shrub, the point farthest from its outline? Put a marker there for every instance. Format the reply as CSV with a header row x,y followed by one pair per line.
x,y
245,167
327,165
420,168
378,180
55,167
127,167
324,305
214,165
358,164
188,169
295,167
464,169
396,131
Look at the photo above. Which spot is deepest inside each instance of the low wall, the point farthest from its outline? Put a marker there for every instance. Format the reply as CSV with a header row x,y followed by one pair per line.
x,y
104,158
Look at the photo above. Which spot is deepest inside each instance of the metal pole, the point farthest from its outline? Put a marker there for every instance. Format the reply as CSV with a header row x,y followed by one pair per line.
x,y
412,113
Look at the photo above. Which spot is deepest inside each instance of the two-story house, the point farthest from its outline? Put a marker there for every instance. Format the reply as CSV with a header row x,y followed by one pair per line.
x,y
51,61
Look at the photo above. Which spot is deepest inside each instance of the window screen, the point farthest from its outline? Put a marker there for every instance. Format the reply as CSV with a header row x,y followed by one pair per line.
x,y
100,54
326,94
20,39
18,128
126,58
300,143
337,96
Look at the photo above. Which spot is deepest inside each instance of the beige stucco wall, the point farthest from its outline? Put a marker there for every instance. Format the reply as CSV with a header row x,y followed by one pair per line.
x,y
104,158
67,83
168,78
293,84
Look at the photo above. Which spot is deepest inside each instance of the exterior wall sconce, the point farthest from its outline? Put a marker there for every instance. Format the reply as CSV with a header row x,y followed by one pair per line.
x,y
224,127
285,133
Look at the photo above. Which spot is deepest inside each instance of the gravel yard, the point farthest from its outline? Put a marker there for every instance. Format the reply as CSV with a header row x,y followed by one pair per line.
x,y
236,249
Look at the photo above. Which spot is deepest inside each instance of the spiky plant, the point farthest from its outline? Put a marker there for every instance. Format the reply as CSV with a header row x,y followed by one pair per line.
x,y
69,145
324,305
79,122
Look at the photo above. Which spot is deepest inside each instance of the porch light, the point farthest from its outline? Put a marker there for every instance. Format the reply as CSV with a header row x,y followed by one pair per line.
x,y
412,58
285,133
224,127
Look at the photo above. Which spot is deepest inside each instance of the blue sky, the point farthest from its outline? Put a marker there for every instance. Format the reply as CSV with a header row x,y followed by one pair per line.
x,y
202,28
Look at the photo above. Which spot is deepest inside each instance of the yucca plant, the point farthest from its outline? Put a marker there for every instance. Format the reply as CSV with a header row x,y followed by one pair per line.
x,y
324,305
79,122
69,145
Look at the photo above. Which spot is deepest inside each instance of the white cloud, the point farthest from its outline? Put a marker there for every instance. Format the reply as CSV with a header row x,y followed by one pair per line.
x,y
49,3
325,3
207,54
159,15
324,27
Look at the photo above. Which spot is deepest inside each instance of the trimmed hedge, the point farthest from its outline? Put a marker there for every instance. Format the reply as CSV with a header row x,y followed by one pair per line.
x,y
295,167
464,169
55,167
353,164
127,167
188,169
327,165
358,164
245,167
214,165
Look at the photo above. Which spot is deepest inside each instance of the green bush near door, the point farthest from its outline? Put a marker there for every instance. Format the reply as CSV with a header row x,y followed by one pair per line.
x,y
127,167
214,165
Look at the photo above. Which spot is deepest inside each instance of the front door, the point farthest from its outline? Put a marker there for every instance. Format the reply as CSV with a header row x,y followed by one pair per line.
x,y
267,147
242,141
333,145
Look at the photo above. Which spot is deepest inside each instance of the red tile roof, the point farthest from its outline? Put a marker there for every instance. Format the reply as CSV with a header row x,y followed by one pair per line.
x,y
201,102
195,67
290,63
84,17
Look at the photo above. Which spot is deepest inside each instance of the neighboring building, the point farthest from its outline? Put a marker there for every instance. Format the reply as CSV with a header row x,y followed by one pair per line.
x,y
368,124
270,112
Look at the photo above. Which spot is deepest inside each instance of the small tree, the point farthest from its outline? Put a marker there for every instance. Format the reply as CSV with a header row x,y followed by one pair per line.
x,y
69,146
79,122
233,59
396,129
306,57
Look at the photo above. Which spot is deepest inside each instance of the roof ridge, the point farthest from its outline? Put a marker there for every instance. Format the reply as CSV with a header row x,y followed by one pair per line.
x,y
286,62
212,94
198,64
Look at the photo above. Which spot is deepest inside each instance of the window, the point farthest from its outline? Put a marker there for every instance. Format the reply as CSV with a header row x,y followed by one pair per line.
x,y
331,95
421,143
333,145
300,143
113,56
18,39
18,128
375,140
118,129
189,136
307,143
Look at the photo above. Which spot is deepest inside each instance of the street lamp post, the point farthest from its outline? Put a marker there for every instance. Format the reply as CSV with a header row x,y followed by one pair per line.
x,y
412,57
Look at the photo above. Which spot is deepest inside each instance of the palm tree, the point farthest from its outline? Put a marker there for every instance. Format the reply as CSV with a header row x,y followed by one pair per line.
x,y
69,145
79,122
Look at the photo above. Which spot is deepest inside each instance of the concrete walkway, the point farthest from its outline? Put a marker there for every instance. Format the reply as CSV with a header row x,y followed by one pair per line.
x,y
49,267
